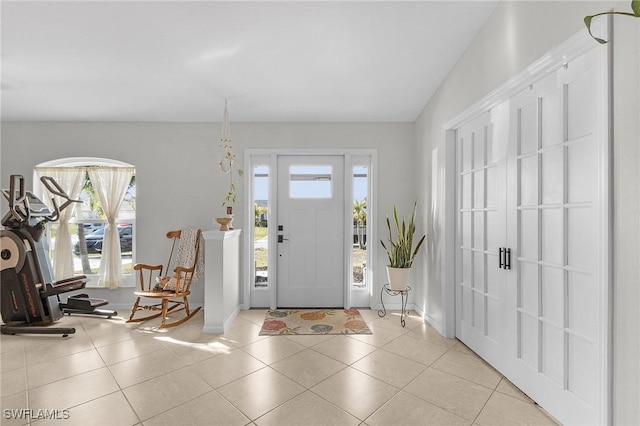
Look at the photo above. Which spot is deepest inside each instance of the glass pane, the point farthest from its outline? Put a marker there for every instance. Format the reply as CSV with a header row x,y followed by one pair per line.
x,y
360,195
260,236
310,181
87,231
87,256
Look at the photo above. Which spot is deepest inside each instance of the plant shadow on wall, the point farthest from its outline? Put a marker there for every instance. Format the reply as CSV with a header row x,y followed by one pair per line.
x,y
227,163
635,7
400,249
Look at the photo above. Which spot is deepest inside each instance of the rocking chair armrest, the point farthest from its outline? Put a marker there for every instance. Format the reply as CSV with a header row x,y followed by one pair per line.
x,y
178,269
183,275
139,266
146,274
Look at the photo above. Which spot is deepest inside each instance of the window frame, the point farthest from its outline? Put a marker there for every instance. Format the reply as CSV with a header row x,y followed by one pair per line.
x,y
129,279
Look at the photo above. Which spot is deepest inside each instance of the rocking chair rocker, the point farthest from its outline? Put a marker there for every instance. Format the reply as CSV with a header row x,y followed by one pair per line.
x,y
169,294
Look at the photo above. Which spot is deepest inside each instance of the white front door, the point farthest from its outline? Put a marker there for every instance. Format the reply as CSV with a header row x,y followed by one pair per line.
x,y
310,233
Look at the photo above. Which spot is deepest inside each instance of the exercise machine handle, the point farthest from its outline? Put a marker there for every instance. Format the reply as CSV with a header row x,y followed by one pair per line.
x,y
18,207
54,188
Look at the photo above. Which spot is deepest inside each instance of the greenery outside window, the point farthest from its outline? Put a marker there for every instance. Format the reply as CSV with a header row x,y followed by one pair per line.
x,y
359,253
261,229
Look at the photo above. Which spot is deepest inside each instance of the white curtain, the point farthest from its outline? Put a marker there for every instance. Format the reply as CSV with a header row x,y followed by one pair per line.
x,y
70,180
110,184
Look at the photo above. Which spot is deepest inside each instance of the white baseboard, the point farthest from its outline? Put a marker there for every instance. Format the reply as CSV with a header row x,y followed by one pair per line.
x,y
221,329
213,329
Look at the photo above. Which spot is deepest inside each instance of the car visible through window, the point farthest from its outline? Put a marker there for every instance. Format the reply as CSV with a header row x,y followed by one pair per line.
x,y
94,240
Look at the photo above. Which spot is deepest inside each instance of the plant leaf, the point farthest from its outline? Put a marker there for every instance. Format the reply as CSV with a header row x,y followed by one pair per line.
x,y
418,245
635,6
587,22
395,219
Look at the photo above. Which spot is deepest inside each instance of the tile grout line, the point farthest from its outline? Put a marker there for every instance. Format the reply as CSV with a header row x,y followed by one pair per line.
x,y
396,391
436,405
120,389
485,403
315,384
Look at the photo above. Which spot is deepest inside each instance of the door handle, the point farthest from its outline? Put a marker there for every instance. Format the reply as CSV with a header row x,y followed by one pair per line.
x,y
504,258
281,239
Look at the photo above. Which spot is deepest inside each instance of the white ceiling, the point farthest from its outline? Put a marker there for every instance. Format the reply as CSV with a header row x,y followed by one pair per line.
x,y
274,61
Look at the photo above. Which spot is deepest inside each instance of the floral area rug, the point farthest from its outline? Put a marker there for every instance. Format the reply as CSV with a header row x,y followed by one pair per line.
x,y
314,321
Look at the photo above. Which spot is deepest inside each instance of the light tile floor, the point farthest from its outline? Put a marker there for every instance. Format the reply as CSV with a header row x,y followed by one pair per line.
x,y
112,373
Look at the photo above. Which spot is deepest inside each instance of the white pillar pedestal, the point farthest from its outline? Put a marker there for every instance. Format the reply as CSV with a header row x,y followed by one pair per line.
x,y
222,301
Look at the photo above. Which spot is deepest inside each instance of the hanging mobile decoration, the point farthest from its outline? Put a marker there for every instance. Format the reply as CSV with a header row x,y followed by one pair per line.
x,y
226,163
228,159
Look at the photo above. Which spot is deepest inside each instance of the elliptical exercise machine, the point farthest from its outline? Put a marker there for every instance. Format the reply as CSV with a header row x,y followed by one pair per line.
x,y
30,298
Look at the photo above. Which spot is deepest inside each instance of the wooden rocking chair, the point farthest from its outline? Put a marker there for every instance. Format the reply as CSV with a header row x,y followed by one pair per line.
x,y
166,294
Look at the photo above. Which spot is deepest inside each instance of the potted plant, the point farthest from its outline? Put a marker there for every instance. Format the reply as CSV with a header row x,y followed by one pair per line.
x,y
400,249
226,165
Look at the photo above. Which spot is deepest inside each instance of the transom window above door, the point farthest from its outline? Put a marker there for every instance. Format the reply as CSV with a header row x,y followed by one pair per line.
x,y
310,181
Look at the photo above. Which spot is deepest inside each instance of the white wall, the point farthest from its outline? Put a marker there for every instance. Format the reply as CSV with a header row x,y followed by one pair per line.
x,y
626,216
177,178
516,35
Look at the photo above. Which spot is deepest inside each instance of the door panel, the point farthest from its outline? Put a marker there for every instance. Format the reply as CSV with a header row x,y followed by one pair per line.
x,y
529,178
481,224
311,212
555,269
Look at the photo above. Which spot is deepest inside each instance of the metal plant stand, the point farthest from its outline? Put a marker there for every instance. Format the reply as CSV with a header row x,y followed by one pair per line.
x,y
404,294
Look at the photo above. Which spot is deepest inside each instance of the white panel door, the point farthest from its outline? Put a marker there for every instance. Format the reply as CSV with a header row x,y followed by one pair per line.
x,y
530,182
553,217
480,284
310,223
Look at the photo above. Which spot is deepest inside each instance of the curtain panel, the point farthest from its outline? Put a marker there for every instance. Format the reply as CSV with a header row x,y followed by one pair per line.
x,y
110,184
70,180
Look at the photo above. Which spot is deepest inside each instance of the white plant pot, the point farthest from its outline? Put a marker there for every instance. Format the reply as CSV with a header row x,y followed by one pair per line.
x,y
398,278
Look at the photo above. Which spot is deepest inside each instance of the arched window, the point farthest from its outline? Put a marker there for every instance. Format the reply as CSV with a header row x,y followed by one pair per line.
x,y
96,237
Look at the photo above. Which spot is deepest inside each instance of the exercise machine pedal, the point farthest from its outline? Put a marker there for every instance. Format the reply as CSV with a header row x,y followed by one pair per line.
x,y
85,305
